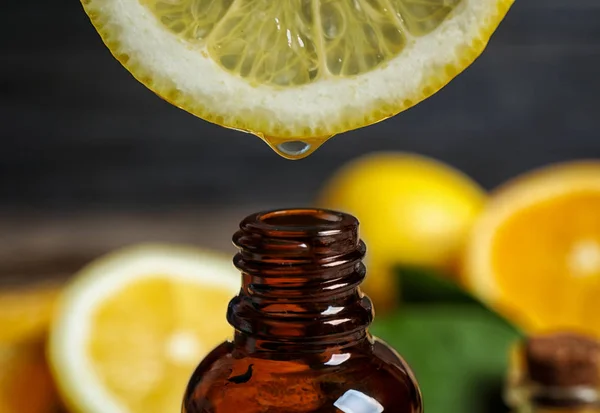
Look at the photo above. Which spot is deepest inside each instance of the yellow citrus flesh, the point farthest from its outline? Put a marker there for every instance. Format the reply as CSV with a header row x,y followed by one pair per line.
x,y
144,331
299,68
325,38
413,211
162,329
535,252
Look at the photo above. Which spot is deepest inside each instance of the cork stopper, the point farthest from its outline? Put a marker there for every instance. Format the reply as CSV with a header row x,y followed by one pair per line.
x,y
563,360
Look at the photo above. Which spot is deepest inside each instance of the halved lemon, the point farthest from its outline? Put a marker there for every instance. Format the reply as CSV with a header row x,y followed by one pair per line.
x,y
132,326
295,69
534,253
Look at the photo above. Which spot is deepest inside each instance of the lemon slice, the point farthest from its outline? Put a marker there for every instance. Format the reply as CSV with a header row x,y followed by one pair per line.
x,y
131,328
295,69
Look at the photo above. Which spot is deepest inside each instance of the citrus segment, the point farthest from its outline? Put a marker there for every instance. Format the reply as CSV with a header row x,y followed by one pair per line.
x,y
296,42
299,68
134,325
241,40
421,17
161,329
358,36
536,250
193,20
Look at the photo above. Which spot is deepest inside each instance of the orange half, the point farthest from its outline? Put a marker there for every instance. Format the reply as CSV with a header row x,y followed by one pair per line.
x,y
534,254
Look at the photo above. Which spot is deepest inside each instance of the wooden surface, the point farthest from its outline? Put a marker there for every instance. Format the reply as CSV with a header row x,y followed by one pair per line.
x,y
43,247
90,160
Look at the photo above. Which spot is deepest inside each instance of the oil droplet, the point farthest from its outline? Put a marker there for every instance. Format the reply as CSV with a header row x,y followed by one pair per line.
x,y
295,149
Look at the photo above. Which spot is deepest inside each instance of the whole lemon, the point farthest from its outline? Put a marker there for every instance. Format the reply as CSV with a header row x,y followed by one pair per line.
x,y
414,211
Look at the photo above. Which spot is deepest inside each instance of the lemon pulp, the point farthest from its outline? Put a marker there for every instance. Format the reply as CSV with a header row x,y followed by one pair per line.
x,y
291,43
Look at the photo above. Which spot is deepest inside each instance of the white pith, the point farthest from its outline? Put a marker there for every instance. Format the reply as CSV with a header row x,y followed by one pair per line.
x,y
330,100
68,341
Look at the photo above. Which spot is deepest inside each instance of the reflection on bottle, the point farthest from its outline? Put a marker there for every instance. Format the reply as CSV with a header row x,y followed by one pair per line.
x,y
337,359
356,402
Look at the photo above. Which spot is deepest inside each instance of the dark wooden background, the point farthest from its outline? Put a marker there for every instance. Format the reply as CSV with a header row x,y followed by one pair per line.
x,y
91,160
78,132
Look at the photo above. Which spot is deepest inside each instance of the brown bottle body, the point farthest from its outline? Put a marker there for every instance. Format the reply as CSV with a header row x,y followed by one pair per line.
x,y
301,343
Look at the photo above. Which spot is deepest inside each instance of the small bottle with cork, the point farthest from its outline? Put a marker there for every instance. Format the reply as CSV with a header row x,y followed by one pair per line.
x,y
555,373
301,341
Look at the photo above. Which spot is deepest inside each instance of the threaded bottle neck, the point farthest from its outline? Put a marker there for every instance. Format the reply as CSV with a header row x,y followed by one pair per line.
x,y
301,269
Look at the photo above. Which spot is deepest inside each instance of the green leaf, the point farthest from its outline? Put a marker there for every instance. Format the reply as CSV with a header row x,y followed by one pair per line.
x,y
419,285
459,353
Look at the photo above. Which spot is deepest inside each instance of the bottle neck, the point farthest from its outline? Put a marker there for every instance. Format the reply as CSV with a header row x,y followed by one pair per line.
x,y
301,271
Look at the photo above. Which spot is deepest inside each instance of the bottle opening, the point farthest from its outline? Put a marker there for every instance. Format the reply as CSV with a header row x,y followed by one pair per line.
x,y
297,264
302,218
299,236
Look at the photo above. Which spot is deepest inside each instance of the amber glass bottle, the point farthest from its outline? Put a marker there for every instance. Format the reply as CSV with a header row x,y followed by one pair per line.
x,y
300,322
555,373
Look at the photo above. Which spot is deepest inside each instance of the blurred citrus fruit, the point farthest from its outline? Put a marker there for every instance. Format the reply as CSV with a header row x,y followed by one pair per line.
x,y
131,328
534,253
25,382
25,312
413,211
295,69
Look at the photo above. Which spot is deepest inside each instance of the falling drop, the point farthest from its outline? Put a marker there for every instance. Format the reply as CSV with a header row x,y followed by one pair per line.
x,y
295,149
